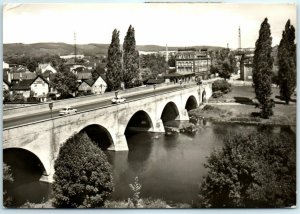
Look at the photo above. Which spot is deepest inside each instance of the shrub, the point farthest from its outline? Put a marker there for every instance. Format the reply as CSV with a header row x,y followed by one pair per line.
x,y
82,176
217,94
7,179
221,85
251,170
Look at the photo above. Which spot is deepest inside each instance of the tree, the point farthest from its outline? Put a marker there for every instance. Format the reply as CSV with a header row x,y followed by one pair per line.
x,y
251,171
83,177
114,63
287,62
172,60
130,59
224,63
262,69
7,179
32,65
156,63
64,81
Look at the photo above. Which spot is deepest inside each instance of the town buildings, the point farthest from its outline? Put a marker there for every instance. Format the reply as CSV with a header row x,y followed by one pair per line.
x,y
190,61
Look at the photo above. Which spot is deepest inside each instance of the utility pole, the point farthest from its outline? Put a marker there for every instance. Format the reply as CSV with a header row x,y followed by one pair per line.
x,y
75,48
240,39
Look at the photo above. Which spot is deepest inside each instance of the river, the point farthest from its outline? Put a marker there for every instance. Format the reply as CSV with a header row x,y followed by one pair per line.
x,y
168,167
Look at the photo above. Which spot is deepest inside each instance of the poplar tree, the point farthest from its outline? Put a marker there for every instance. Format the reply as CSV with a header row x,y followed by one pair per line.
x,y
262,69
287,62
130,59
114,63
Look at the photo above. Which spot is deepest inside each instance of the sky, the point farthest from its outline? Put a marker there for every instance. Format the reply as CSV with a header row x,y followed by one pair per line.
x,y
174,24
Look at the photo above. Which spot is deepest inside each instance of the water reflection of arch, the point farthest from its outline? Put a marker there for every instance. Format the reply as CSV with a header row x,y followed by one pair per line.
x,y
139,140
191,103
140,147
25,166
98,134
170,112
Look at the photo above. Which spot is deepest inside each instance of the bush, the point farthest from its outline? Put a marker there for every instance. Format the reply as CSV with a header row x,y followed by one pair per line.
x,y
217,94
7,179
82,176
221,85
250,171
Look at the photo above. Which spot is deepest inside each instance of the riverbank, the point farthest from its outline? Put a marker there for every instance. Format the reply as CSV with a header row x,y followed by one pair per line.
x,y
239,106
245,114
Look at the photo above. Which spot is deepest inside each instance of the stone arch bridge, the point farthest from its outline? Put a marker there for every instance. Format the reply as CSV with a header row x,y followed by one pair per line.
x,y
42,139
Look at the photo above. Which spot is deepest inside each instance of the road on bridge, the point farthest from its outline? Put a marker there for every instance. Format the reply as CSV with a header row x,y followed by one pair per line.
x,y
47,115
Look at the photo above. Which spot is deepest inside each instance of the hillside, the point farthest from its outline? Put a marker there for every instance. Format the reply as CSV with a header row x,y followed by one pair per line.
x,y
39,49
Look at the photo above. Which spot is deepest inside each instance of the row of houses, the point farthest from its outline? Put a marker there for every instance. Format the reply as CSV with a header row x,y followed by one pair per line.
x,y
20,81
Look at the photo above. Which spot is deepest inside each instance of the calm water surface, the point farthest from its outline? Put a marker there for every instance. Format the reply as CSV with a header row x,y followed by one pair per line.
x,y
168,167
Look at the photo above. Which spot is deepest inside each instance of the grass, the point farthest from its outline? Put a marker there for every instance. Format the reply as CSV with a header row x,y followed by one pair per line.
x,y
244,110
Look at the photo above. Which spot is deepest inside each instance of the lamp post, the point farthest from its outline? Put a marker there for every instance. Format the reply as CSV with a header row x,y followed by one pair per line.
x,y
199,82
51,106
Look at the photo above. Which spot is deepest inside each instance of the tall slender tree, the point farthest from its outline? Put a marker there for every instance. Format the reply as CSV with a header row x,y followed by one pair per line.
x,y
130,59
114,63
287,62
262,69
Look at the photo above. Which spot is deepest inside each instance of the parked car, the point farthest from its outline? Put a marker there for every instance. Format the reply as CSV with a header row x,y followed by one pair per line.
x,y
67,110
118,100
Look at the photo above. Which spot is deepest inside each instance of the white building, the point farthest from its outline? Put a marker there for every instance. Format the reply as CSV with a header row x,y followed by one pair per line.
x,y
97,86
46,67
71,56
5,65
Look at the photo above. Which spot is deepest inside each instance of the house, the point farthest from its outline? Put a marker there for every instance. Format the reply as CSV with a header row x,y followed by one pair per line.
x,y
46,67
6,85
191,61
39,87
97,86
84,76
18,74
246,67
5,65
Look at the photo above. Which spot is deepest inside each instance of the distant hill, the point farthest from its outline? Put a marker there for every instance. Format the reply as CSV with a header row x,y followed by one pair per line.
x,y
39,49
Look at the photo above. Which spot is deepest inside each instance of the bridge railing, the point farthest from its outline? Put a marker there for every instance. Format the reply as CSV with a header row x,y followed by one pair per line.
x,y
102,107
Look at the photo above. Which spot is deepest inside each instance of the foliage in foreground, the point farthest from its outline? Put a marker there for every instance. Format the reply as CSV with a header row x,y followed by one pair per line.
x,y
7,178
83,177
250,171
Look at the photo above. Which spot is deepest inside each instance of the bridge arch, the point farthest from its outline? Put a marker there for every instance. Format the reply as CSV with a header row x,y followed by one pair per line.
x,y
25,166
203,97
191,103
139,121
99,134
170,112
